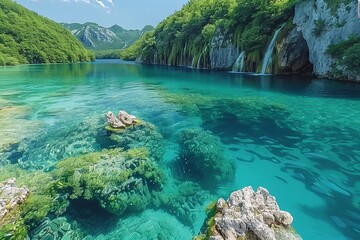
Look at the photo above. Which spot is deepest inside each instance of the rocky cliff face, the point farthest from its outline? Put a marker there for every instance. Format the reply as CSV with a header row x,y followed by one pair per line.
x,y
322,26
293,54
96,37
223,53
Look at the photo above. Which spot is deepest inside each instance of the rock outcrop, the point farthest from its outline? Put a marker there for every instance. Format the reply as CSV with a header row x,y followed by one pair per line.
x,y
293,54
322,26
254,215
223,53
124,119
11,196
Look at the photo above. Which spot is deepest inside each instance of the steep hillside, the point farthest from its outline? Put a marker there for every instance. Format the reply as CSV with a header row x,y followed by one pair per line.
x,y
187,36
96,37
26,37
264,36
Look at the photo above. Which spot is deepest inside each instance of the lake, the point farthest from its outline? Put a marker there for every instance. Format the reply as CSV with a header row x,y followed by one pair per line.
x,y
298,137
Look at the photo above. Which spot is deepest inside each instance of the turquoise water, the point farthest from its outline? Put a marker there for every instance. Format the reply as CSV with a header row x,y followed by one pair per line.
x,y
298,137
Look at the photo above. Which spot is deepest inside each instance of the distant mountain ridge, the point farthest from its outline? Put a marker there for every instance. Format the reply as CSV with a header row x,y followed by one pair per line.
x,y
96,37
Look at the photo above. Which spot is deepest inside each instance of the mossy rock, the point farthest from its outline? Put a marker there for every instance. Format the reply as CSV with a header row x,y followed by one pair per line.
x,y
202,155
119,180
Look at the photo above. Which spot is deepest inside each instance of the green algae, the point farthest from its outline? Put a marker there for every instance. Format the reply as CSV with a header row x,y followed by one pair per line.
x,y
202,155
112,177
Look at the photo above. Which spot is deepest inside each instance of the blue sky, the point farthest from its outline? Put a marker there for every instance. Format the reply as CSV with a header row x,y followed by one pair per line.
x,y
130,14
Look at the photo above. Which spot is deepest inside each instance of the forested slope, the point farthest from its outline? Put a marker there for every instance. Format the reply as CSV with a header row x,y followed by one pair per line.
x,y
184,38
26,37
314,36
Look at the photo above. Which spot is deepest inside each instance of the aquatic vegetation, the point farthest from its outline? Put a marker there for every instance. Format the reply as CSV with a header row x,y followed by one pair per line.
x,y
36,206
79,139
182,200
208,228
140,135
14,126
12,227
202,157
114,178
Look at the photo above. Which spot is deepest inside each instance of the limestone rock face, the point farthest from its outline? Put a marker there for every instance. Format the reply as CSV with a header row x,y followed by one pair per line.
x,y
223,53
249,213
338,26
293,54
11,196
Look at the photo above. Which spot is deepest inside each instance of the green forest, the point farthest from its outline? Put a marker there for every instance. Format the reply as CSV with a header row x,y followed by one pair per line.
x,y
26,37
184,37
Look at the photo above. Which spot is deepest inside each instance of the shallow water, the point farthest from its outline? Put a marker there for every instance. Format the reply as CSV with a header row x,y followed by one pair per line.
x,y
298,137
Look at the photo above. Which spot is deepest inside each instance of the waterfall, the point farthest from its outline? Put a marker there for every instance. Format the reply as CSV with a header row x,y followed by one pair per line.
x,y
198,63
192,62
267,57
239,64
155,58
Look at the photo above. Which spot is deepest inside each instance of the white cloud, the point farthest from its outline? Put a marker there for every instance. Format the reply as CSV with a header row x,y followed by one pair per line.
x,y
100,3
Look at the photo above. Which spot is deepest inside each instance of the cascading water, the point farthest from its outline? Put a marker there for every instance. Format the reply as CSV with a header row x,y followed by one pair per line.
x,y
239,64
267,57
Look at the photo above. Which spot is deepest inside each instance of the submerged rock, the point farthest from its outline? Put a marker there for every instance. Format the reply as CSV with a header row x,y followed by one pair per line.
x,y
250,215
140,135
58,228
183,200
119,181
202,156
11,196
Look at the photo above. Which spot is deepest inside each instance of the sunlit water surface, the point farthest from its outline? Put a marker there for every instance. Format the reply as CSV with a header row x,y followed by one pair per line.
x,y
295,136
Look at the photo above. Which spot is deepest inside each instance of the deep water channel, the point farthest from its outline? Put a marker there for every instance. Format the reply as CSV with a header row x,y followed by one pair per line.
x,y
298,137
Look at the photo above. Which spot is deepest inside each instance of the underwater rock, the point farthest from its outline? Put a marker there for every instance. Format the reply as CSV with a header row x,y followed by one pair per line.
x,y
117,180
251,215
56,229
11,196
80,138
15,127
202,156
140,135
124,119
183,200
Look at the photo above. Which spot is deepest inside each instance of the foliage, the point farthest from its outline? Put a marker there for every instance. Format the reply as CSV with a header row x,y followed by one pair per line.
x,y
184,38
35,209
347,54
208,227
319,25
13,227
107,54
202,155
26,37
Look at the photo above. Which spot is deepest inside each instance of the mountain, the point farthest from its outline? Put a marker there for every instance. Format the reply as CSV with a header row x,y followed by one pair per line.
x,y
96,37
26,37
